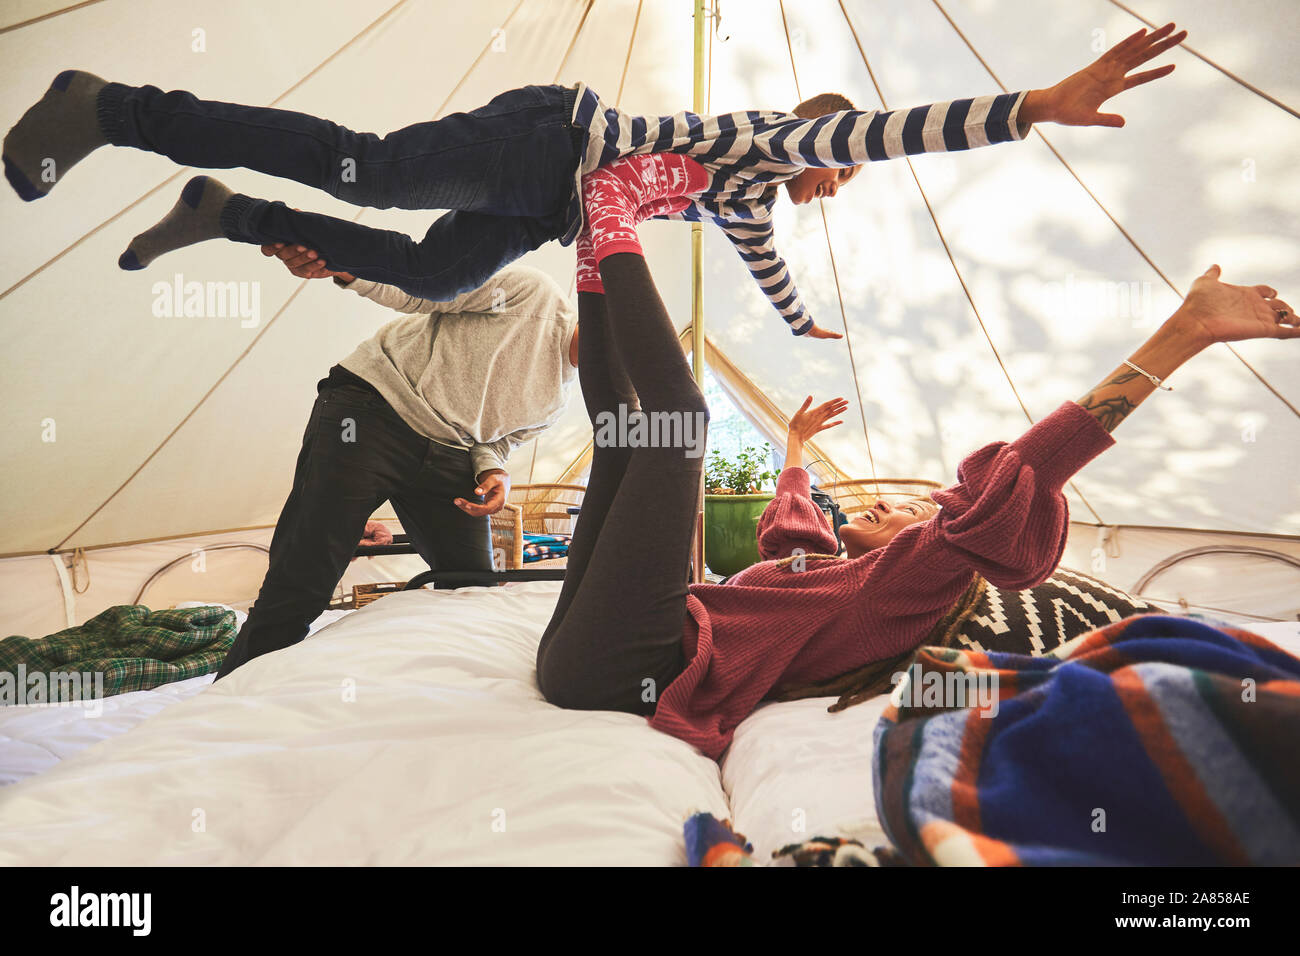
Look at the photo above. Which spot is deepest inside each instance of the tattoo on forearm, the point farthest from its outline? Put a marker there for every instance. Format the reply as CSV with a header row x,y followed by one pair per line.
x,y
1112,410
1109,412
1123,378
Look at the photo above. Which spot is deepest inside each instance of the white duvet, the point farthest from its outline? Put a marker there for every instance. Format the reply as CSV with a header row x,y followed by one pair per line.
x,y
413,732
410,732
33,739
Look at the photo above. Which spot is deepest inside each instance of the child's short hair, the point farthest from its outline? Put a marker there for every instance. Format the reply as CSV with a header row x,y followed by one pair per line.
x,y
821,104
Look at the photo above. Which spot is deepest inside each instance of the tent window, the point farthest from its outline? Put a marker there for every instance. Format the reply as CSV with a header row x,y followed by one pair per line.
x,y
730,432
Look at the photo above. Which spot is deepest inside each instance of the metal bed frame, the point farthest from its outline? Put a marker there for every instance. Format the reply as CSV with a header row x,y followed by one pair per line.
x,y
447,579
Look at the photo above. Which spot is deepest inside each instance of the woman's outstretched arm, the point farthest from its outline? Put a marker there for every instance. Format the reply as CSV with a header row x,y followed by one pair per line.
x,y
1006,517
792,520
1213,312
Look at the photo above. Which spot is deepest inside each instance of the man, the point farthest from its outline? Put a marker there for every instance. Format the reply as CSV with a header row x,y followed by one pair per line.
x,y
420,414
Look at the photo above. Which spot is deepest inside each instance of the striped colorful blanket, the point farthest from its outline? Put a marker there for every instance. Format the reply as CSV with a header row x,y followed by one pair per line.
x,y
123,649
1155,740
541,547
712,842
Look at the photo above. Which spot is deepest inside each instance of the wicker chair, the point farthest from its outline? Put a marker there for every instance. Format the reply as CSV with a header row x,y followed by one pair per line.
x,y
545,507
508,537
858,494
535,509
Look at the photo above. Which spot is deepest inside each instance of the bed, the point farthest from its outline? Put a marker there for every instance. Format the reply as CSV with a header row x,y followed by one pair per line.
x,y
409,732
33,739
412,732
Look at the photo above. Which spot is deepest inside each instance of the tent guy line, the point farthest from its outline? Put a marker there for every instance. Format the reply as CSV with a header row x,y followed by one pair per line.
x,y
244,354
970,298
177,175
1208,62
835,272
581,460
636,23
48,16
1093,196
287,302
190,414
556,79
631,45
574,41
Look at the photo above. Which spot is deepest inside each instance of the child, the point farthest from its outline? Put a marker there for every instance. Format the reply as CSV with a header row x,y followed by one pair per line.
x,y
511,171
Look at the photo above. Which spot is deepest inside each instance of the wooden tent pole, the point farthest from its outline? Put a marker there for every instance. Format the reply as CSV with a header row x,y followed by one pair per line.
x,y
697,286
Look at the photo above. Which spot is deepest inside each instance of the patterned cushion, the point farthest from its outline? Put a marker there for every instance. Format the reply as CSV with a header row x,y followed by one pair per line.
x,y
1067,604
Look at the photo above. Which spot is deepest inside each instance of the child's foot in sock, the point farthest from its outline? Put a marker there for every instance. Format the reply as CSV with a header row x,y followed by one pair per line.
x,y
54,135
196,217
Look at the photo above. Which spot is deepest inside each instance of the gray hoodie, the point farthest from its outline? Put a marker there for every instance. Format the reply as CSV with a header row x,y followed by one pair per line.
x,y
487,371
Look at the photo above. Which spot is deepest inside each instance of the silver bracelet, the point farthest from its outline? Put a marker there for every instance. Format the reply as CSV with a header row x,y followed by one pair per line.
x,y
1151,378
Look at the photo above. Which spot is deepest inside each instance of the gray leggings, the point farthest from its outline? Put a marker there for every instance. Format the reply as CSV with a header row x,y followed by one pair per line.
x,y
614,641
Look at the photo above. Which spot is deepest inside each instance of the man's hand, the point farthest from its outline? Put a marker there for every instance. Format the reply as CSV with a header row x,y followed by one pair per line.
x,y
494,485
817,332
1075,100
303,262
377,533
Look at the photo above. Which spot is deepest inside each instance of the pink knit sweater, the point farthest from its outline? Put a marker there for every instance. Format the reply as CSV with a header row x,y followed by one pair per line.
x,y
770,626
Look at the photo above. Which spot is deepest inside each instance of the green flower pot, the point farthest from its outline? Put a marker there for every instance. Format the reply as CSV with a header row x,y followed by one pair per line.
x,y
731,531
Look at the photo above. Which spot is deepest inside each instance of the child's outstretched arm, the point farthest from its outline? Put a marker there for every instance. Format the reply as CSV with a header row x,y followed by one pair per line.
x,y
855,137
754,241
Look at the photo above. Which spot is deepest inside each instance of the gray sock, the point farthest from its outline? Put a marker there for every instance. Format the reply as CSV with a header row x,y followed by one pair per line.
x,y
54,135
196,217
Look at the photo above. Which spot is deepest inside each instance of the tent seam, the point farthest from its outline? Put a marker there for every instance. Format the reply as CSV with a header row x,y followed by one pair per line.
x,y
170,179
1213,65
835,272
970,298
48,16
1100,205
303,284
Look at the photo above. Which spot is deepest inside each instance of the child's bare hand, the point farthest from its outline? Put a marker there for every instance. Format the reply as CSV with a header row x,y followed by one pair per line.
x,y
817,332
1076,99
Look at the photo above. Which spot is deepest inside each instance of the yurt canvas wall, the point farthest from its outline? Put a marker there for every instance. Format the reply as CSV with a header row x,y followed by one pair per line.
x,y
977,291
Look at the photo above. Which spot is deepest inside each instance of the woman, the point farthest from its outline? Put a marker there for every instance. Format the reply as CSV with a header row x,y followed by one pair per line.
x,y
628,633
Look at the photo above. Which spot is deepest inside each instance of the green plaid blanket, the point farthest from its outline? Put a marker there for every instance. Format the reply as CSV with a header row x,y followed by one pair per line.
x,y
132,647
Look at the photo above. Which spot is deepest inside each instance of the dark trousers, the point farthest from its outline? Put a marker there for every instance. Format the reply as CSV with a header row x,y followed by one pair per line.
x,y
614,641
356,453
506,169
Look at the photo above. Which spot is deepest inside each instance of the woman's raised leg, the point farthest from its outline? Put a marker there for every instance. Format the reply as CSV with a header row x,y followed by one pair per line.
x,y
605,386
618,643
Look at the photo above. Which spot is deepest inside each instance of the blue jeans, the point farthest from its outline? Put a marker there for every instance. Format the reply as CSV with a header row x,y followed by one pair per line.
x,y
506,169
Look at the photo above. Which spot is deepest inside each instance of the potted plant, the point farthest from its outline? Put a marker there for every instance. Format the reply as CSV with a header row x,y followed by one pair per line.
x,y
734,500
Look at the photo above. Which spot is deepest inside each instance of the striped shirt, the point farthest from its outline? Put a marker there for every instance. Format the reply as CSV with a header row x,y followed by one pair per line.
x,y
749,154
